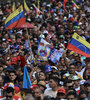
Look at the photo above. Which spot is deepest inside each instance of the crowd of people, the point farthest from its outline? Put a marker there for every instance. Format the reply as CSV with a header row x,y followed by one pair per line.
x,y
69,79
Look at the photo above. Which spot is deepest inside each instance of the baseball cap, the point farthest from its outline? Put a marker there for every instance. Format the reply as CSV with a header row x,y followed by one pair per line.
x,y
13,60
42,83
33,86
8,85
61,90
75,77
54,67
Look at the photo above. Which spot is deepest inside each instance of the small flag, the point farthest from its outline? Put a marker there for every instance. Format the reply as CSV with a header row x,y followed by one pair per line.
x,y
79,45
36,10
74,4
26,79
26,7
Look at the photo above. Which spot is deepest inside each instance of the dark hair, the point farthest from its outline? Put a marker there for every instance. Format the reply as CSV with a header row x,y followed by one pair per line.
x,y
72,93
83,92
13,72
56,79
67,81
9,90
71,64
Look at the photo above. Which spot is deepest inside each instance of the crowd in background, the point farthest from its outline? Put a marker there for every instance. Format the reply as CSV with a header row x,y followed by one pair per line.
x,y
69,79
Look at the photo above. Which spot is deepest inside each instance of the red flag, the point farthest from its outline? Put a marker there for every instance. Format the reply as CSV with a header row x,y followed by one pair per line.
x,y
64,2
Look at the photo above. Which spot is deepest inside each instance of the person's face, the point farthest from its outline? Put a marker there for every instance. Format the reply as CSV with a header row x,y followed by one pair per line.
x,y
13,40
9,96
4,45
18,40
69,85
79,66
71,97
83,96
88,88
82,87
61,31
1,68
36,92
72,69
53,28
6,36
52,83
12,76
41,76
77,83
41,88
47,38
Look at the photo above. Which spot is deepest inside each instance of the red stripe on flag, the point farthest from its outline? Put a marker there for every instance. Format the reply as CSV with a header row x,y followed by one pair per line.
x,y
16,24
75,49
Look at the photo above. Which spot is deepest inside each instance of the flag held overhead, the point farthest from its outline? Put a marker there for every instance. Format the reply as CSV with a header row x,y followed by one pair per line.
x,y
79,45
15,19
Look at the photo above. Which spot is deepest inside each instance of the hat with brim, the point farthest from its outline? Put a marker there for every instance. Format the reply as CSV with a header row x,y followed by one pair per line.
x,y
74,78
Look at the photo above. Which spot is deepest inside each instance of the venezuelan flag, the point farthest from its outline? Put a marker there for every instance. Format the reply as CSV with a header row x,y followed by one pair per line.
x,y
74,4
38,5
36,10
26,7
15,19
79,45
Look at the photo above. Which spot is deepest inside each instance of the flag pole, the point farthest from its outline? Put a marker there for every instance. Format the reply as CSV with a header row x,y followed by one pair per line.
x,y
29,42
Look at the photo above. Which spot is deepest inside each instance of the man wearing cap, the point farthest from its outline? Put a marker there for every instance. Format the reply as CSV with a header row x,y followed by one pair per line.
x,y
79,70
9,94
61,94
76,80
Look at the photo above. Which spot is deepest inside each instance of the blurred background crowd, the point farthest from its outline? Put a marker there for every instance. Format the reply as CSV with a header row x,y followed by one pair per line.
x,y
69,79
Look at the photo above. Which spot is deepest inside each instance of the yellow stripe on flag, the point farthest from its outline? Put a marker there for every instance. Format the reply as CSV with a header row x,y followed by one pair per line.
x,y
81,40
26,7
75,4
15,13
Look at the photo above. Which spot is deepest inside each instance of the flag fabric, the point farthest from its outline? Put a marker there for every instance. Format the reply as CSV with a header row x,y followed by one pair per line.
x,y
79,45
64,3
74,4
15,19
26,7
36,10
56,55
38,5
26,79
44,48
13,7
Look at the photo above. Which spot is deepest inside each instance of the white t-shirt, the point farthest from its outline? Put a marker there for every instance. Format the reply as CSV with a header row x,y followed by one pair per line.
x,y
50,92
80,73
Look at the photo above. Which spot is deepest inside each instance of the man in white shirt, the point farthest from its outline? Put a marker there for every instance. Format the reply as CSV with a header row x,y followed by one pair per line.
x,y
52,91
